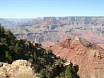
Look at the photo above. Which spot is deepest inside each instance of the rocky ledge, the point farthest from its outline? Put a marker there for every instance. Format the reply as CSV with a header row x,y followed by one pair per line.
x,y
18,69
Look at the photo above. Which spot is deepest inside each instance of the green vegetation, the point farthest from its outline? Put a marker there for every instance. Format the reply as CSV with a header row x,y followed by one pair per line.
x,y
68,73
49,52
43,61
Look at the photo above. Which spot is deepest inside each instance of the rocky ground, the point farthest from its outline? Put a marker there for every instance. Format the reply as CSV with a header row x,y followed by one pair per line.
x,y
18,69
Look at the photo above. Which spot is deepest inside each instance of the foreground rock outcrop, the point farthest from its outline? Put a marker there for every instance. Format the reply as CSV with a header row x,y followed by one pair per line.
x,y
23,69
88,56
18,69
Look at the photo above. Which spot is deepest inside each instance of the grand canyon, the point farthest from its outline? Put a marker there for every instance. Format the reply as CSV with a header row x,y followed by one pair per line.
x,y
56,29
76,39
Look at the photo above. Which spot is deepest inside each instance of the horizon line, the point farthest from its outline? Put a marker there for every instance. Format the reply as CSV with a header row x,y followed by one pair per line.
x,y
46,16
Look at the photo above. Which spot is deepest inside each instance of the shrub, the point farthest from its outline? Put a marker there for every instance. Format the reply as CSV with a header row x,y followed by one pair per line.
x,y
49,52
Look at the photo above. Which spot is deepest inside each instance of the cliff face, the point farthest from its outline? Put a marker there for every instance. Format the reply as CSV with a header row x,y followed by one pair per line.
x,y
54,22
89,56
56,29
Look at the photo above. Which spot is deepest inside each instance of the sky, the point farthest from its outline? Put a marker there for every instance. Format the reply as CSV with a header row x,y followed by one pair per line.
x,y
50,8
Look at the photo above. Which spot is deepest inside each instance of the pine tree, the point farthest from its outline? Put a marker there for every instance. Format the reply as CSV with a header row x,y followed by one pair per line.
x,y
35,56
2,31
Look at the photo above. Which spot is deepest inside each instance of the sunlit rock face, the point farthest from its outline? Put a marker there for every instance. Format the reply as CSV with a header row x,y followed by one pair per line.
x,y
87,55
18,69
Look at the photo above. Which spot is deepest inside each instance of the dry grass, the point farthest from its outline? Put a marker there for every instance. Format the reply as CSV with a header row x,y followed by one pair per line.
x,y
25,73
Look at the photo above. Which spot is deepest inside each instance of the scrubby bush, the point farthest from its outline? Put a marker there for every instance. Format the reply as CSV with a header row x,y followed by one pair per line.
x,y
49,52
68,73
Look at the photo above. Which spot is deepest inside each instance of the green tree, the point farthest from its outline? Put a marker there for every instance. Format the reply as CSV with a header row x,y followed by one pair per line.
x,y
70,73
35,56
9,33
3,40
18,53
8,57
48,74
49,52
62,74
42,73
2,31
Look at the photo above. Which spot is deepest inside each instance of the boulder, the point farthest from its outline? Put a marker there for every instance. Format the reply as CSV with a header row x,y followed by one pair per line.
x,y
18,69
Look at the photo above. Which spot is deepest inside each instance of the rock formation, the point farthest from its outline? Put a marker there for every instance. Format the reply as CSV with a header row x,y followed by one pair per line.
x,y
56,29
87,55
18,69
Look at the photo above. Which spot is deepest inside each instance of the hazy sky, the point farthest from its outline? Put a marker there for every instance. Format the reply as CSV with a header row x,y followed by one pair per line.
x,y
44,8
